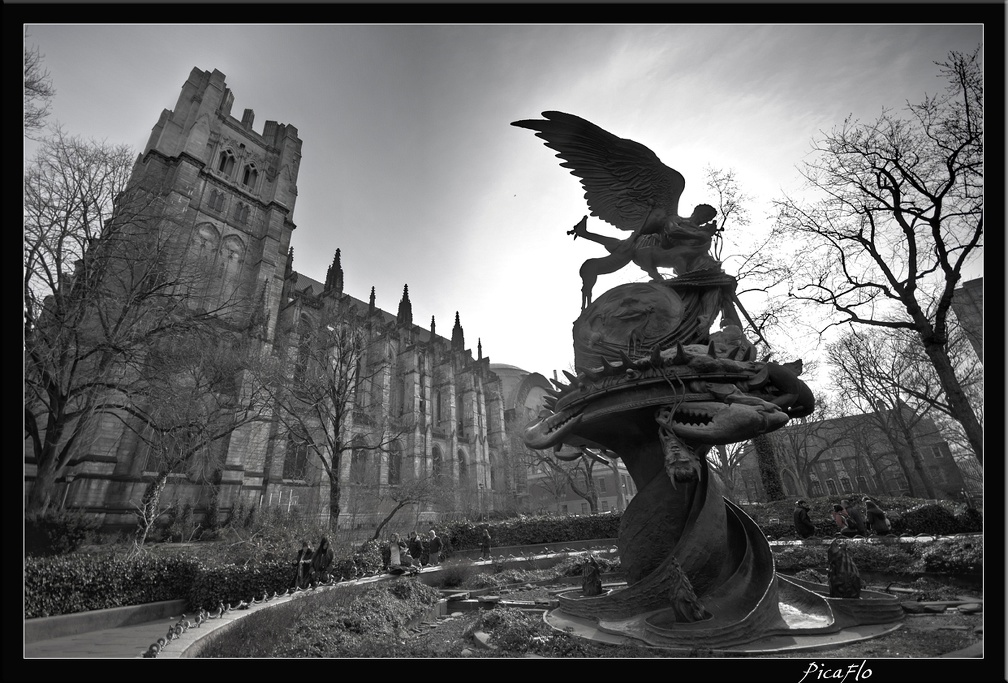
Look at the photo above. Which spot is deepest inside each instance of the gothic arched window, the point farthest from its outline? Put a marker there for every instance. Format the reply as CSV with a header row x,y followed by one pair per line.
x,y
395,465
250,176
463,468
296,460
436,464
203,251
231,254
216,201
359,462
226,162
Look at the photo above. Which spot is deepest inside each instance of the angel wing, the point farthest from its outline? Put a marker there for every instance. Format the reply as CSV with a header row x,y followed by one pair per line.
x,y
623,179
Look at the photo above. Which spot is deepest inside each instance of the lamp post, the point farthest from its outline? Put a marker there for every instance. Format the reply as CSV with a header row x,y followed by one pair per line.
x,y
69,480
482,516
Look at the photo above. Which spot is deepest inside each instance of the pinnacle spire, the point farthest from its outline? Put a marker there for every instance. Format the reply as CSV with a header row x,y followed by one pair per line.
x,y
334,276
405,314
457,338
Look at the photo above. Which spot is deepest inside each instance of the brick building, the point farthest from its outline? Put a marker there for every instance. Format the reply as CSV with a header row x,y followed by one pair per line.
x,y
967,304
853,455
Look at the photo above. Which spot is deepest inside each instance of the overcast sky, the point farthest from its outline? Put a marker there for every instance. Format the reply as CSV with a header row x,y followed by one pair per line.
x,y
410,166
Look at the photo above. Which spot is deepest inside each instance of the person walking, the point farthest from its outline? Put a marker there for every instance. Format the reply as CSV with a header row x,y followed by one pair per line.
x,y
424,550
854,518
415,547
878,521
322,562
485,544
434,547
840,518
303,566
802,523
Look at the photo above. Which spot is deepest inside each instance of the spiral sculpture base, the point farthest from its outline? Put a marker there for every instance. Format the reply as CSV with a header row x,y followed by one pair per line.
x,y
748,606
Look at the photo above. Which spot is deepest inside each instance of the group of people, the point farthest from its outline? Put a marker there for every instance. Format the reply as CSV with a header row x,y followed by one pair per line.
x,y
313,566
420,550
848,518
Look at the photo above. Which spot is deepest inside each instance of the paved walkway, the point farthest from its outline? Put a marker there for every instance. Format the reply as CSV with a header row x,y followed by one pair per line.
x,y
112,643
133,640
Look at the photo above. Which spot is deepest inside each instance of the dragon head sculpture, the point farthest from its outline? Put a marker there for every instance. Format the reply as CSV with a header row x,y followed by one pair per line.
x,y
703,398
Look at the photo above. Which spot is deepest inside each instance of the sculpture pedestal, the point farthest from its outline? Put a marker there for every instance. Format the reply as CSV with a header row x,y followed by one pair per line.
x,y
753,609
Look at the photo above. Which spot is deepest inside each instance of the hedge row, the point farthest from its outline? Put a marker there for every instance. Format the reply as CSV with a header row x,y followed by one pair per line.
x,y
908,516
961,555
533,530
87,581
90,581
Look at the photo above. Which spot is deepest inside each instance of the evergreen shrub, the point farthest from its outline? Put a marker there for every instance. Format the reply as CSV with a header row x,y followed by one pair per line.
x,y
58,532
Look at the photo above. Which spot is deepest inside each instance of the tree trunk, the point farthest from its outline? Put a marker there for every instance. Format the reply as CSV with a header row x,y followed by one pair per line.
x,y
773,488
727,472
901,439
592,496
334,506
381,525
41,491
149,510
620,492
959,406
915,458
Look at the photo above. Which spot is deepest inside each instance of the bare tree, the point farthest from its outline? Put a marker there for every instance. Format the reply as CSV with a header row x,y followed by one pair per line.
x,y
871,371
610,460
899,214
104,278
725,460
38,92
872,454
760,277
326,388
192,399
749,255
416,491
922,384
805,442
579,475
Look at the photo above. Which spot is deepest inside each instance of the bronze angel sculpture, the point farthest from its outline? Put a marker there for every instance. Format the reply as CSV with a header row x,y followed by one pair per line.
x,y
657,389
627,185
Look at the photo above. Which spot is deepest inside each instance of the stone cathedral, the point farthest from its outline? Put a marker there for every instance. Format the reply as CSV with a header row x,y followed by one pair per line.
x,y
239,187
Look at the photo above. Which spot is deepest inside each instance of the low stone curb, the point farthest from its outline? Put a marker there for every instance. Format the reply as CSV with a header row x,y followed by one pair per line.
x,y
44,628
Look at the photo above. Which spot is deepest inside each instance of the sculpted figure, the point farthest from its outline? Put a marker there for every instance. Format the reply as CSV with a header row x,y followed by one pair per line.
x,y
685,603
591,577
628,186
844,579
656,388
